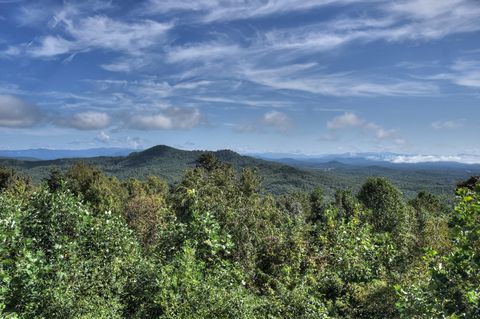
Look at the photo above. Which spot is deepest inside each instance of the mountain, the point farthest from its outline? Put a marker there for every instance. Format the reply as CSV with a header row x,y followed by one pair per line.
x,y
50,154
170,164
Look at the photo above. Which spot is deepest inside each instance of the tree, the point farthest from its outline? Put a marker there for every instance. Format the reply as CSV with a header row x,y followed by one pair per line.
x,y
102,192
209,162
11,180
385,203
56,179
451,287
431,216
346,203
250,182
472,183
316,204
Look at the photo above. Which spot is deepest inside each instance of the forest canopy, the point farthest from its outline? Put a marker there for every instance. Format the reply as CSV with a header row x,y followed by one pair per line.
x,y
86,245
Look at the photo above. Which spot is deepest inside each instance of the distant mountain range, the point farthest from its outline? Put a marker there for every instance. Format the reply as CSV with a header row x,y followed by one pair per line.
x,y
280,175
51,154
371,158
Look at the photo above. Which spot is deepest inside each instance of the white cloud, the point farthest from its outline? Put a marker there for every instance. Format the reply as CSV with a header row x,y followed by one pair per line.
x,y
17,113
277,119
169,118
89,120
273,120
350,120
412,159
347,120
103,137
448,125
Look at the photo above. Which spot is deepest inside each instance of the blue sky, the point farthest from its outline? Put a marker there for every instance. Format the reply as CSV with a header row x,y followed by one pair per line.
x,y
309,76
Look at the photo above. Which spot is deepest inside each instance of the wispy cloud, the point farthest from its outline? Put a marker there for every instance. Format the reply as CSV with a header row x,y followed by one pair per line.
x,y
101,32
428,9
308,78
244,101
227,10
72,29
395,21
448,125
462,72
202,52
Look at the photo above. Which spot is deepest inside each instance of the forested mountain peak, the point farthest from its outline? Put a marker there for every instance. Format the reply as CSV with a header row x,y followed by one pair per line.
x,y
156,152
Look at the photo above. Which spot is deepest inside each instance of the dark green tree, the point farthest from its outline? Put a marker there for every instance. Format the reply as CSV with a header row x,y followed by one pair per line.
x,y
385,202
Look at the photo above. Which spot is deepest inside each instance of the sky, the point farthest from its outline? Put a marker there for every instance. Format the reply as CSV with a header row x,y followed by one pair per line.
x,y
291,76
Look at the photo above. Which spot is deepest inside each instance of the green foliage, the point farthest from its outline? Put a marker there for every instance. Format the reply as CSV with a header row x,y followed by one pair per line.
x,y
215,245
209,162
431,217
451,287
102,192
190,289
208,238
299,301
148,216
63,261
385,202
346,203
13,182
355,263
250,182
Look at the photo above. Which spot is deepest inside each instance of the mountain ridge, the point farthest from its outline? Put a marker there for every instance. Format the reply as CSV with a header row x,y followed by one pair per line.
x,y
170,164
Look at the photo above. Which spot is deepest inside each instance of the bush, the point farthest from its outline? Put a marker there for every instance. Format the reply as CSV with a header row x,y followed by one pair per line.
x,y
64,261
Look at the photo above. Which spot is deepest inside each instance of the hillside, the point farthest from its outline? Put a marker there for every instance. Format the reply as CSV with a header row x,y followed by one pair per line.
x,y
170,164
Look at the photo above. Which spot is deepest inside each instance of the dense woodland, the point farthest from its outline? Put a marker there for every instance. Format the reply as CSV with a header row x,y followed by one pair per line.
x,y
83,244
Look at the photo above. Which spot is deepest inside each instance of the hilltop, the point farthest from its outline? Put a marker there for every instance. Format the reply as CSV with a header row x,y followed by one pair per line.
x,y
170,163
